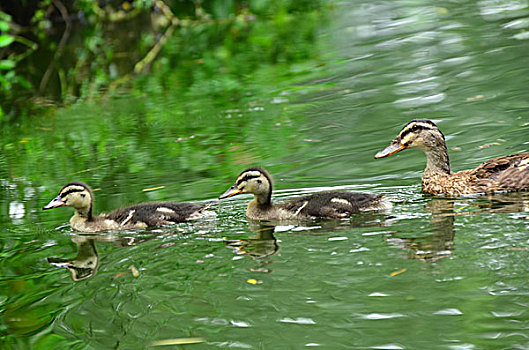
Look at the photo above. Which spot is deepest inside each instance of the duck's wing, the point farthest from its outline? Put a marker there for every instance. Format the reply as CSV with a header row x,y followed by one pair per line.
x,y
157,213
332,204
508,173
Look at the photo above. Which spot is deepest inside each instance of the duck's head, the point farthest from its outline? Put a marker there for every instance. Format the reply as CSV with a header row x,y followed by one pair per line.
x,y
253,180
76,195
421,134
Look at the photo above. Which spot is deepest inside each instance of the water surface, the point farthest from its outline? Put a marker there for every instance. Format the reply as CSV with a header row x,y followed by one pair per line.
x,y
433,273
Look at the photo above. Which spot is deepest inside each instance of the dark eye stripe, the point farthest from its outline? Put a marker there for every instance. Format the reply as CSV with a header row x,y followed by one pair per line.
x,y
414,128
72,190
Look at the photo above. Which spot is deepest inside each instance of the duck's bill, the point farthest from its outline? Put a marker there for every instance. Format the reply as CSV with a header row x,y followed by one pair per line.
x,y
54,203
232,191
393,148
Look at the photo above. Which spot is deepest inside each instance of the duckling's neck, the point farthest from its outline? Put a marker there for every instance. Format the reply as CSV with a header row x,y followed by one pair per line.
x,y
437,160
84,213
263,200
260,208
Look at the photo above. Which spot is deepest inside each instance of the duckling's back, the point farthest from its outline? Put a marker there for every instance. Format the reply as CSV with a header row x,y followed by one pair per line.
x,y
335,204
156,213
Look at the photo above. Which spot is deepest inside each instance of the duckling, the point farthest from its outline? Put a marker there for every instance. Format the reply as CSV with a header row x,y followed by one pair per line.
x,y
258,182
79,196
500,174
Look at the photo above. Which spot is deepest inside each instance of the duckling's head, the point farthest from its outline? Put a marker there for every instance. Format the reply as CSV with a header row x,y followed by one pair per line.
x,y
421,134
253,180
75,194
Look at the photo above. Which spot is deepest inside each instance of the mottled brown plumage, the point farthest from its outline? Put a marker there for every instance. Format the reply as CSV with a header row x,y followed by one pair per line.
x,y
258,182
79,196
500,174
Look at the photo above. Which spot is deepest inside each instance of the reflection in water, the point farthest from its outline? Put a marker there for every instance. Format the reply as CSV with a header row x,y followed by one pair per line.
x,y
397,61
505,203
24,313
86,262
262,245
440,243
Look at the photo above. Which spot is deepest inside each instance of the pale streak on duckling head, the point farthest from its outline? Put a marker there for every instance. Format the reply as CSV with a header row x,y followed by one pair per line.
x,y
76,195
253,180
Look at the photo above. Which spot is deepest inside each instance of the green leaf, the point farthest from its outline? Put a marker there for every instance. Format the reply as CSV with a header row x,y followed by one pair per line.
x,y
7,64
6,40
4,26
5,16
24,83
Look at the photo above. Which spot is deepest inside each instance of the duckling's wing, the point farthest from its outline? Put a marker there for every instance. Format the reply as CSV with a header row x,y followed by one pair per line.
x,y
509,173
156,213
332,204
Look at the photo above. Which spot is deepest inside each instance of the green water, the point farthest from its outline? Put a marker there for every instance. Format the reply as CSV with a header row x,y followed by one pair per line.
x,y
433,273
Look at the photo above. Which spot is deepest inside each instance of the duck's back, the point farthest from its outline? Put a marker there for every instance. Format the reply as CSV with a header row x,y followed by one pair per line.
x,y
507,173
156,213
333,204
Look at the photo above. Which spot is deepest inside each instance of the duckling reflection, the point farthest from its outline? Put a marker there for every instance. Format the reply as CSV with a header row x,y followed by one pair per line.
x,y
441,243
86,262
261,246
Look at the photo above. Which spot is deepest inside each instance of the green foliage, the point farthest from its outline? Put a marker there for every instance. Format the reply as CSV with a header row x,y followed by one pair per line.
x,y
6,39
10,79
214,48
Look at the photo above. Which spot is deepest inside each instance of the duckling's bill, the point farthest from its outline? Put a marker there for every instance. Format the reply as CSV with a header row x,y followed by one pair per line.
x,y
54,203
232,191
393,148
